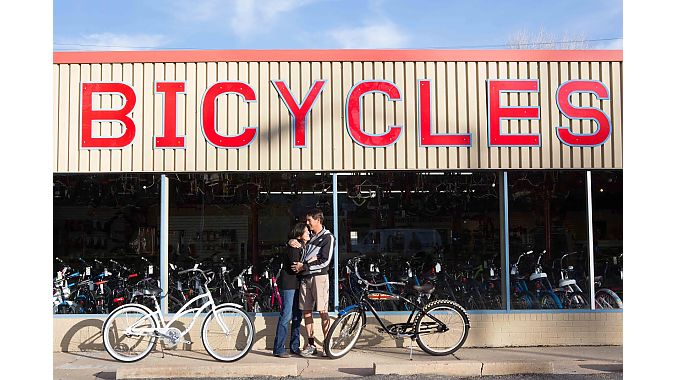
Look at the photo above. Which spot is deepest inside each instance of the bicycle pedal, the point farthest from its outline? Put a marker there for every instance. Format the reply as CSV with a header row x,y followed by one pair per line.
x,y
188,342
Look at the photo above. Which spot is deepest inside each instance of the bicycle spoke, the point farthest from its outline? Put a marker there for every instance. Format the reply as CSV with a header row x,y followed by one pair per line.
x,y
447,331
119,340
227,334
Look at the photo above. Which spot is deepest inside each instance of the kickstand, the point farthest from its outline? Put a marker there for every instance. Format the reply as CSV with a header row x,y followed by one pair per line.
x,y
410,350
162,349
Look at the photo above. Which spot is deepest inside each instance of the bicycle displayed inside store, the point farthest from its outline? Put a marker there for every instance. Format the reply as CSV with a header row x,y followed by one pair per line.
x,y
439,327
131,331
543,289
607,298
569,292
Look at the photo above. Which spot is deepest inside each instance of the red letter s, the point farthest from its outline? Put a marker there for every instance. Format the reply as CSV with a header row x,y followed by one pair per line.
x,y
565,134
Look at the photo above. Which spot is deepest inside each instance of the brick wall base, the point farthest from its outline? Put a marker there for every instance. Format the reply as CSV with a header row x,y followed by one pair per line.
x,y
487,330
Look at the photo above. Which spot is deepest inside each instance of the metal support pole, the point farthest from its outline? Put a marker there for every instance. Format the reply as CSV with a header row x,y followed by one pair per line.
x,y
590,233
335,233
504,237
164,240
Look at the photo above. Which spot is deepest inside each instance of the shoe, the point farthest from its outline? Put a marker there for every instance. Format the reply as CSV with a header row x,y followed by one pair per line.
x,y
297,353
283,355
308,352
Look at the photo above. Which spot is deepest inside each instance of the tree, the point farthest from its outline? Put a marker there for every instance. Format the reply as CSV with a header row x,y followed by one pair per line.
x,y
524,39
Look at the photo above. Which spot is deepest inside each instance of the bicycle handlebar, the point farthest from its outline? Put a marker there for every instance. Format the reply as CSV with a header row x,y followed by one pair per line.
x,y
355,261
540,256
199,271
562,257
522,255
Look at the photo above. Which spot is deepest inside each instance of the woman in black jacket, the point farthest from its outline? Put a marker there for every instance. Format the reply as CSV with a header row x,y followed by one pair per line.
x,y
288,285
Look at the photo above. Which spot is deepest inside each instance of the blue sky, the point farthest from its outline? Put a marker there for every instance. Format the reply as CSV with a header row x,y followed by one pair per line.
x,y
331,24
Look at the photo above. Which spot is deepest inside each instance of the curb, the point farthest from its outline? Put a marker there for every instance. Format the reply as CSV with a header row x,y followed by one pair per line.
x,y
459,368
226,370
515,368
464,368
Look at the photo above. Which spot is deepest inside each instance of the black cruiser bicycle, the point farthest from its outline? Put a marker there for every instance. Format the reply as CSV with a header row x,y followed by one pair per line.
x,y
439,327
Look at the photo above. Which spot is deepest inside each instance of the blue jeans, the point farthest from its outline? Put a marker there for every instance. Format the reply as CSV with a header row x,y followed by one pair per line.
x,y
290,313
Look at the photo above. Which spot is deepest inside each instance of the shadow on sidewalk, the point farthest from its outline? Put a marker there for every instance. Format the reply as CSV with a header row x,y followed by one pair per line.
x,y
604,367
518,350
86,336
357,371
105,375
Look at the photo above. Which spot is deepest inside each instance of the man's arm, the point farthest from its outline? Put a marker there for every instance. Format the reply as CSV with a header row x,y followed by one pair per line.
x,y
324,257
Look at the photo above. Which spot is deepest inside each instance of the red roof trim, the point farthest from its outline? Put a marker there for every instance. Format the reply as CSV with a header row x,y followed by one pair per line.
x,y
339,55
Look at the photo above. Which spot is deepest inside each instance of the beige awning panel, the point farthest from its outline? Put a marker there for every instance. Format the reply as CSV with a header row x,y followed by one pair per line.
x,y
459,105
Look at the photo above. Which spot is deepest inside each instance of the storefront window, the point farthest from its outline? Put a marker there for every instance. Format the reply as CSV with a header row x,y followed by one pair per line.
x,y
548,218
237,225
106,240
404,224
607,222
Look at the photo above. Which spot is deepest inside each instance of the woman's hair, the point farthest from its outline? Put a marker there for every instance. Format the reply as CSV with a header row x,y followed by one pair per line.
x,y
297,230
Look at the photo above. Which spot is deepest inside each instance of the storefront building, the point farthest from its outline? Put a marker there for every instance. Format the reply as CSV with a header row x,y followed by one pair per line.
x,y
433,165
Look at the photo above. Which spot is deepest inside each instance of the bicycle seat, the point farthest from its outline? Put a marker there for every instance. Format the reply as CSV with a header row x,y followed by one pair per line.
x,y
424,288
152,291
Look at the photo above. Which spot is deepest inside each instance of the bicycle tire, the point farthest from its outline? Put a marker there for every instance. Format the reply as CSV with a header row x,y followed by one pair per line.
x,y
607,299
518,302
111,322
531,300
212,333
547,301
576,300
267,298
344,300
349,325
458,320
252,299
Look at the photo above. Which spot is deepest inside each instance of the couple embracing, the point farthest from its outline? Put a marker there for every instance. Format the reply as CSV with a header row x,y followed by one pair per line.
x,y
304,283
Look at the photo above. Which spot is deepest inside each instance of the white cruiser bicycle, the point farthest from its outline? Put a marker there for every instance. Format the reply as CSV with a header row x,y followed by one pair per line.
x,y
131,331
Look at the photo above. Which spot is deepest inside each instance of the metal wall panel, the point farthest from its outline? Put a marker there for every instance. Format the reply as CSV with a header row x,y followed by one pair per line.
x,y
459,105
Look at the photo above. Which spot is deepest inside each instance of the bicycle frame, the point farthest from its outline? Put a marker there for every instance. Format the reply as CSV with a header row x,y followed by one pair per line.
x,y
365,303
274,292
159,317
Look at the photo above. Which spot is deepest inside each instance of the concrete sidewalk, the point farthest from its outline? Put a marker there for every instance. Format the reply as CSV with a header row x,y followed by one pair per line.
x,y
361,361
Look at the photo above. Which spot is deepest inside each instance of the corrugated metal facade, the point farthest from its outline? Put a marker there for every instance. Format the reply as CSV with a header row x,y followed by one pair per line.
x,y
459,104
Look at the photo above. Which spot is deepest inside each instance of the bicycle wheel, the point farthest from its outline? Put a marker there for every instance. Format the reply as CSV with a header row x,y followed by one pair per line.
x,y
441,328
345,300
576,300
547,301
607,299
531,300
127,333
228,333
344,333
518,302
252,299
